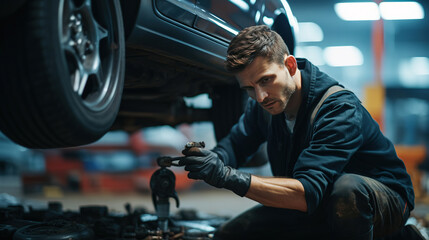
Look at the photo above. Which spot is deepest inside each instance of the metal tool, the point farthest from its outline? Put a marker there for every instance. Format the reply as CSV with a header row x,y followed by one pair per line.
x,y
195,144
162,184
166,161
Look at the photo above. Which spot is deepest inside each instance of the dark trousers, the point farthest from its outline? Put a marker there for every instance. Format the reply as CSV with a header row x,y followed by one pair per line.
x,y
357,208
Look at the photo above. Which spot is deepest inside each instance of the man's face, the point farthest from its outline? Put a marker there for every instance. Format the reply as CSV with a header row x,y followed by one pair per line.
x,y
270,84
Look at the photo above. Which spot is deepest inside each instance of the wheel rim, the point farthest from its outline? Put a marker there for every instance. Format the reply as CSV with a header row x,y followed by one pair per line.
x,y
90,42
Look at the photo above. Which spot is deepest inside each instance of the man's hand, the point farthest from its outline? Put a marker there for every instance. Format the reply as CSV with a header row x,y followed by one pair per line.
x,y
206,165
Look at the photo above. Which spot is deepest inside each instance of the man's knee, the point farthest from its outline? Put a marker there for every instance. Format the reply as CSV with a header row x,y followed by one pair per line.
x,y
350,209
349,198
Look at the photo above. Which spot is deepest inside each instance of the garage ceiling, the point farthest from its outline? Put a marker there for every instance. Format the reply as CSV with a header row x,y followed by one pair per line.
x,y
404,41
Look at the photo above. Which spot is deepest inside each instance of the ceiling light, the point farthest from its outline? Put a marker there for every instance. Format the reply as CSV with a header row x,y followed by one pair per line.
x,y
420,65
257,16
241,4
414,72
342,56
312,53
309,32
357,11
401,10
268,21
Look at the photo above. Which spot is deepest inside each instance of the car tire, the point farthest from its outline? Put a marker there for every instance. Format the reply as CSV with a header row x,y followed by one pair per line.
x,y
62,72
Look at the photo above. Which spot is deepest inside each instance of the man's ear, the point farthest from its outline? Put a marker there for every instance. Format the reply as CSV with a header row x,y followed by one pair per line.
x,y
291,65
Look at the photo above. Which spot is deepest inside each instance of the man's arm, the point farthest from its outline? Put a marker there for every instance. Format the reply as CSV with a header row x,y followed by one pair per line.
x,y
278,192
270,191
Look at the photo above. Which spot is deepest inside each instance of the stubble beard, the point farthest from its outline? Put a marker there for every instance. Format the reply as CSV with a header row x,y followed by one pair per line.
x,y
288,92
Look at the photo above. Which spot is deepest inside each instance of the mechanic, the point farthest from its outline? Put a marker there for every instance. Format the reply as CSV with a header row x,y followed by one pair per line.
x,y
335,176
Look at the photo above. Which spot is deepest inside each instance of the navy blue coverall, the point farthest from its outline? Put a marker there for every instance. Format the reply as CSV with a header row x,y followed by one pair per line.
x,y
355,185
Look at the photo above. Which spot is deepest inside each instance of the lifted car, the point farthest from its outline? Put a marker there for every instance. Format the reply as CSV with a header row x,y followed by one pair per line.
x,y
71,70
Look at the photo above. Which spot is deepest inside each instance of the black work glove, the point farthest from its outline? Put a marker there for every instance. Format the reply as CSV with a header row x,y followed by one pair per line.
x,y
206,165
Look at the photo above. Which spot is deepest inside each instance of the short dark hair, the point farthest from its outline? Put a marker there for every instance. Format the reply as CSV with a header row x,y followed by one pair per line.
x,y
252,42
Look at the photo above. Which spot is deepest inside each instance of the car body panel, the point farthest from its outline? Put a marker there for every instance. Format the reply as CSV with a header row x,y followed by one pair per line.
x,y
161,35
182,11
224,19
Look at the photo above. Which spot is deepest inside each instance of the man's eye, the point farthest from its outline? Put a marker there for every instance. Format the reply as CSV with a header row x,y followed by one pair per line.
x,y
265,80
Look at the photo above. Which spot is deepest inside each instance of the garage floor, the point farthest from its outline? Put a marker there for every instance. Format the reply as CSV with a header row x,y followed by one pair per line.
x,y
213,201
203,198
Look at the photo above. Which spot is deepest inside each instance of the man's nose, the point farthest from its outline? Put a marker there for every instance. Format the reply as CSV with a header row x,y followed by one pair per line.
x,y
260,94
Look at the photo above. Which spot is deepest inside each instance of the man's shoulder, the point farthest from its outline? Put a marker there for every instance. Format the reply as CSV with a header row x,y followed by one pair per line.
x,y
341,103
344,96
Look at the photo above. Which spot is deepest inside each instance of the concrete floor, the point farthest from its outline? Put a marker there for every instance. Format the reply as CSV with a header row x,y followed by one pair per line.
x,y
208,200
202,197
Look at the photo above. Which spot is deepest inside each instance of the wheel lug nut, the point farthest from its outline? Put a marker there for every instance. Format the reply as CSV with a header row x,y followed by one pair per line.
x,y
89,48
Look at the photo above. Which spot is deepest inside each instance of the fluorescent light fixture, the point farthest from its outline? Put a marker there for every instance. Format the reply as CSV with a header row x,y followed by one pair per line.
x,y
309,32
252,2
312,53
257,16
401,10
342,56
357,11
366,11
241,4
277,12
414,72
268,21
420,66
